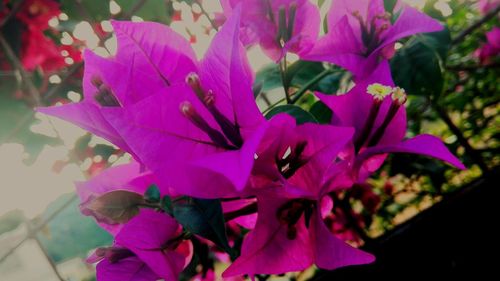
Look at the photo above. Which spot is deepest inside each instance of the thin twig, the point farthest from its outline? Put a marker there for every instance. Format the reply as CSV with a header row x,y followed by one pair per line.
x,y
205,13
473,153
491,14
311,83
471,67
12,12
32,90
39,227
283,72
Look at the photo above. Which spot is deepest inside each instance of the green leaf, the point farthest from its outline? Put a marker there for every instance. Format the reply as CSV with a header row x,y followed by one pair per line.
x,y
203,217
321,112
166,205
152,194
389,5
300,115
117,206
417,66
150,10
298,74
89,10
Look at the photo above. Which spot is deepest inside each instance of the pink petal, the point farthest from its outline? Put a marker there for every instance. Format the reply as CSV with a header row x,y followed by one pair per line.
x,y
410,21
89,117
145,234
130,269
331,252
267,250
154,48
426,145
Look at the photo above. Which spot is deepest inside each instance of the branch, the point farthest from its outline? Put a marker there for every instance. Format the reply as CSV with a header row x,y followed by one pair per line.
x,y
205,13
311,83
32,90
473,153
12,12
471,67
491,14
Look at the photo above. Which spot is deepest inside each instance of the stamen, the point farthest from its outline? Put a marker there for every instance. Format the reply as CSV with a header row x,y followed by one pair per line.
x,y
189,112
105,97
365,34
282,27
379,92
398,99
231,131
269,9
292,10
193,80
399,95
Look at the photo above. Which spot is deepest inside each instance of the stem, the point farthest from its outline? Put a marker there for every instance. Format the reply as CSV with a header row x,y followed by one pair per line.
x,y
273,106
286,87
311,83
32,90
491,14
11,13
204,12
474,154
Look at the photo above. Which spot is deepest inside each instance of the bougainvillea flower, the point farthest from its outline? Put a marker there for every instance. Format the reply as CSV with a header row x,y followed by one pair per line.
x,y
362,33
290,234
39,51
204,128
145,64
487,5
279,26
35,14
152,243
491,48
130,268
380,123
128,177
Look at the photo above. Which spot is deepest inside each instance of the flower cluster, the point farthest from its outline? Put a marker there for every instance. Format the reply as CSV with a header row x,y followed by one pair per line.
x,y
205,157
32,21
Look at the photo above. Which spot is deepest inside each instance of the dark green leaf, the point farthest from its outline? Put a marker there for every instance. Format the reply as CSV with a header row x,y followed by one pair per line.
x,y
321,112
166,204
389,5
203,217
152,194
417,66
298,74
300,115
94,10
150,10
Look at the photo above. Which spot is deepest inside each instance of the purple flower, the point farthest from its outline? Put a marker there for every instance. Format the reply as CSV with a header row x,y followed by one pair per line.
x,y
149,247
145,64
491,48
127,177
301,166
178,116
487,5
376,111
279,26
202,129
361,33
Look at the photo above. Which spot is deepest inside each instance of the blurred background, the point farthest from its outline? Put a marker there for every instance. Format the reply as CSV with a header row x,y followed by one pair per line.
x,y
451,77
